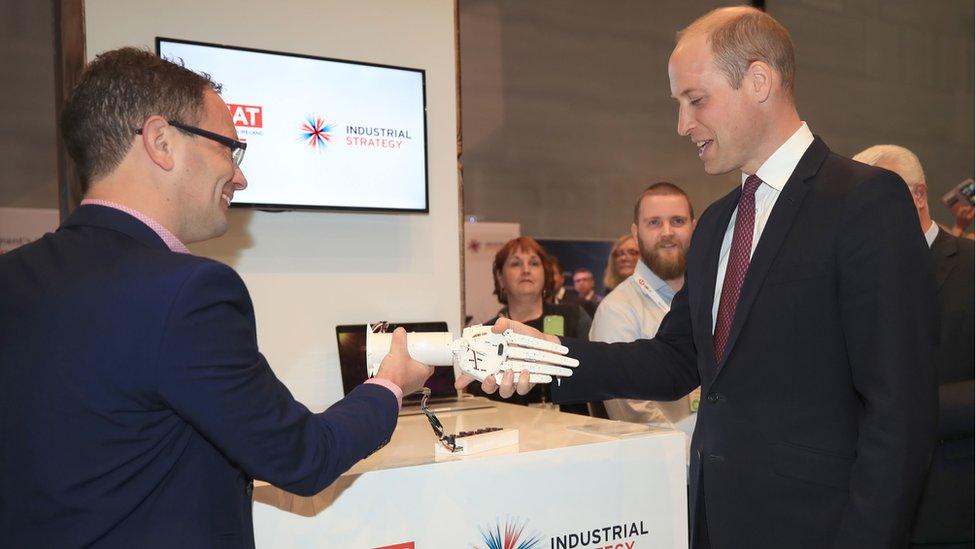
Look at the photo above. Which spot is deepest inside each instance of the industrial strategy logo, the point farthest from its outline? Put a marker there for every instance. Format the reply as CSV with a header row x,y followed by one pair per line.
x,y
316,132
512,536
512,533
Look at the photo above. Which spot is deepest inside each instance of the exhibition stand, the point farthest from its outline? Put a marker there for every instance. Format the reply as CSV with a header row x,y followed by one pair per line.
x,y
571,482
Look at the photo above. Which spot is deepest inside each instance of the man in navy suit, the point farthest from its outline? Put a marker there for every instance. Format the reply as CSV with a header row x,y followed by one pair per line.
x,y
135,406
945,513
807,317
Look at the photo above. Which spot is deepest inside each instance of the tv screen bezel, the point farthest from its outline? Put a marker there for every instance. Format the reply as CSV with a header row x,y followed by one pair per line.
x,y
307,207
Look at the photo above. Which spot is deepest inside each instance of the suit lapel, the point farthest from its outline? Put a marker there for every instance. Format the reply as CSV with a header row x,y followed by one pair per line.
x,y
943,246
773,234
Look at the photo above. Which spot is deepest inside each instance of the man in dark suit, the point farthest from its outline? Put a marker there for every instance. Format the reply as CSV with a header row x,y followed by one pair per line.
x,y
945,515
135,406
806,317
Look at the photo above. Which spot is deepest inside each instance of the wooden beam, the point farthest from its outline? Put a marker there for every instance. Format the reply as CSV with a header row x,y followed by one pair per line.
x,y
69,61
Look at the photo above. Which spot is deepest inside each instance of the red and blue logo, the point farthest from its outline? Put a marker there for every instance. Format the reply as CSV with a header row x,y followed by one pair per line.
x,y
316,132
513,536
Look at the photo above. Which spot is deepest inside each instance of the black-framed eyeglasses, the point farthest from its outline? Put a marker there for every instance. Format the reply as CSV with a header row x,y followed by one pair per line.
x,y
236,147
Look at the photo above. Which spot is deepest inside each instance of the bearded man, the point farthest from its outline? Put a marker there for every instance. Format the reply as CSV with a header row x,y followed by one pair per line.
x,y
663,222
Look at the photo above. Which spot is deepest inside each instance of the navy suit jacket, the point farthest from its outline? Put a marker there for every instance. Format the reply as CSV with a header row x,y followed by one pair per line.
x,y
815,428
135,407
945,514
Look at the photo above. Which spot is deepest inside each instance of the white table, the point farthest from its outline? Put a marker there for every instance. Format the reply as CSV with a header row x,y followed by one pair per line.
x,y
567,489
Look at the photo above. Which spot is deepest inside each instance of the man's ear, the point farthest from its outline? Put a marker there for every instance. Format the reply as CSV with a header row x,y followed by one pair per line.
x,y
920,195
156,140
759,79
633,230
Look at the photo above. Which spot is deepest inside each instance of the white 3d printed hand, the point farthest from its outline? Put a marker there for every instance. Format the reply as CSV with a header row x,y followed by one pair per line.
x,y
481,353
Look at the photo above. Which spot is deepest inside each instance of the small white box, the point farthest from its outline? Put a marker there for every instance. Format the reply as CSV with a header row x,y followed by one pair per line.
x,y
482,442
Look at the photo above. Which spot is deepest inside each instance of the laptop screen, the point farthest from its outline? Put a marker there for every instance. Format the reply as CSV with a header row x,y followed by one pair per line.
x,y
352,358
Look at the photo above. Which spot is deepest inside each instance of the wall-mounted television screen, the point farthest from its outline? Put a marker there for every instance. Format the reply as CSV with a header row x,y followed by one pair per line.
x,y
321,133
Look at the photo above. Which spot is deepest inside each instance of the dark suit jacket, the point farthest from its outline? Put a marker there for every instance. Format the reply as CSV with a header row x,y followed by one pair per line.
x,y
135,407
945,514
816,427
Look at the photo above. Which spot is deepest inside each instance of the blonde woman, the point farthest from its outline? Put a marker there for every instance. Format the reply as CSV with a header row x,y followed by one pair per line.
x,y
622,261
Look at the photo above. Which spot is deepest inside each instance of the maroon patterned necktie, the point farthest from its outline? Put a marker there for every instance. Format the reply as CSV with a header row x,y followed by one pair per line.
x,y
739,256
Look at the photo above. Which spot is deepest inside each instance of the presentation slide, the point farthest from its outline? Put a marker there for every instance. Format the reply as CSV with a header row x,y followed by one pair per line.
x,y
320,133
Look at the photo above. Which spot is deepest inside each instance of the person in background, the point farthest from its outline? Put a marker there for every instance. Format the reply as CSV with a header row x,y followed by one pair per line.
x,y
560,294
622,261
136,406
524,278
663,223
945,515
584,285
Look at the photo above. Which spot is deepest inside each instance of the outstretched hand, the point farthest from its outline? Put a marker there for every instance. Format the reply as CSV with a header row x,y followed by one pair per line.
x,y
509,384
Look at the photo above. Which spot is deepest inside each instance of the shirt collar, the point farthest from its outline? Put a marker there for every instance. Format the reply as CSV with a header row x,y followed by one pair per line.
x,y
931,232
171,241
778,168
654,281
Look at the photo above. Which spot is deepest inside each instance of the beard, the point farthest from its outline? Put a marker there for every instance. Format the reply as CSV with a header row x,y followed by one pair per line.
x,y
665,265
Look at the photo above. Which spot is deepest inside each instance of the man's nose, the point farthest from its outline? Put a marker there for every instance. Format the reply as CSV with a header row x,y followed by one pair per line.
x,y
685,121
239,181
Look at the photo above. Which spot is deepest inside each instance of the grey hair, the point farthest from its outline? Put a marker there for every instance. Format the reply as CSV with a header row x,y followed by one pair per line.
x,y
904,161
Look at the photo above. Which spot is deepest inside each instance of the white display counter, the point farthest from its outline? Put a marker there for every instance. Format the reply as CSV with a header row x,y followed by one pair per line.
x,y
561,488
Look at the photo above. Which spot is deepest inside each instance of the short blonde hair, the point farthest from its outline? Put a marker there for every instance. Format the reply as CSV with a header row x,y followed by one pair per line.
x,y
742,35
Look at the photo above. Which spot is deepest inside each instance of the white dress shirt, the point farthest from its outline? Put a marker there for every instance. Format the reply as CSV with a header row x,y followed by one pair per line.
x,y
774,172
931,232
628,314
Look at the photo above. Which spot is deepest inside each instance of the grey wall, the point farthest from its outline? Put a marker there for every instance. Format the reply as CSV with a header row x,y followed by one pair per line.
x,y
889,71
28,158
567,114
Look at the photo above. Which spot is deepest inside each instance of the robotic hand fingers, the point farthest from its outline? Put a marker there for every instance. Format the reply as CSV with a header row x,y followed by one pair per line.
x,y
519,366
542,356
530,342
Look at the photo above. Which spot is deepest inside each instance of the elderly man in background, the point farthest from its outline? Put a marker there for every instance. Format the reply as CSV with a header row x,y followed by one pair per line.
x,y
663,223
945,516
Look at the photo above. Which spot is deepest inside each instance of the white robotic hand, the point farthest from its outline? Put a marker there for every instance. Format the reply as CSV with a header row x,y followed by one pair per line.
x,y
481,353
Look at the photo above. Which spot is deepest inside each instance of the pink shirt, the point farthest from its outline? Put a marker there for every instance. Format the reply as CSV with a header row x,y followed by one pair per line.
x,y
174,244
169,238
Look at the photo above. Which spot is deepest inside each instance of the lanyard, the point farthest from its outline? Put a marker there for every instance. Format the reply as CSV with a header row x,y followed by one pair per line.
x,y
649,292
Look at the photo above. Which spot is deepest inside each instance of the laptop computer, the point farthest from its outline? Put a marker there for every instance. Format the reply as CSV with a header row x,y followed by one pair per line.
x,y
444,397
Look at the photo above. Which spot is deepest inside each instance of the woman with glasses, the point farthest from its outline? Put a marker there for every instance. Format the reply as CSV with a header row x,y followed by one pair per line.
x,y
622,261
